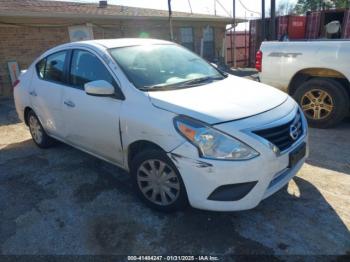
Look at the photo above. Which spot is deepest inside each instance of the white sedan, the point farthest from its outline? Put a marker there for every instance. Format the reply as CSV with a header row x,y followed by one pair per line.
x,y
187,132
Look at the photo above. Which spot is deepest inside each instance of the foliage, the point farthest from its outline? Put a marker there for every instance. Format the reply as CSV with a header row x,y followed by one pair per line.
x,y
341,3
303,6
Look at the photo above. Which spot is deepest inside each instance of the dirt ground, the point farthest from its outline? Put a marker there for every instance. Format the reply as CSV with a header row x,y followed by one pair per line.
x,y
63,201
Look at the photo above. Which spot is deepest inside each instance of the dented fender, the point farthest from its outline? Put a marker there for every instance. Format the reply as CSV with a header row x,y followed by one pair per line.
x,y
200,164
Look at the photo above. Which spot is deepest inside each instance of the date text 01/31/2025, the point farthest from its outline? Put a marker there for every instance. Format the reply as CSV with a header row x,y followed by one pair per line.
x,y
173,258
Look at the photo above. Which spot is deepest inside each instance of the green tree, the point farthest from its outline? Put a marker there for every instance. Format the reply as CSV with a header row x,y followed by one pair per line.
x,y
303,6
341,3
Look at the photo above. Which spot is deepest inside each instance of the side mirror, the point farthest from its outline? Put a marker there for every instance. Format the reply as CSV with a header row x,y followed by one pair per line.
x,y
99,88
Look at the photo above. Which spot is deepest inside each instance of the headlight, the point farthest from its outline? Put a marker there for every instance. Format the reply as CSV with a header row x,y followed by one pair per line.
x,y
212,143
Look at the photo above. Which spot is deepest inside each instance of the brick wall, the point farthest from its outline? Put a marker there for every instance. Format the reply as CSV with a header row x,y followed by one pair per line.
x,y
24,43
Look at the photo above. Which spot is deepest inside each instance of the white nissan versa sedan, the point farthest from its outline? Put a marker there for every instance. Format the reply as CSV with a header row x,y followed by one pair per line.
x,y
187,132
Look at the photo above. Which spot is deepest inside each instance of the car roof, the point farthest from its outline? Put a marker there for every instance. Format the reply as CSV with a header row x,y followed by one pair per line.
x,y
121,42
103,44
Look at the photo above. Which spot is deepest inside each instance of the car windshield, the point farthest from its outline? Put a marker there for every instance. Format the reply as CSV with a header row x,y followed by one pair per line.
x,y
164,67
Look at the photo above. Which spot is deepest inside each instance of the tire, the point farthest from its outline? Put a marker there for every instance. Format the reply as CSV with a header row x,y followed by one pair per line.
x,y
39,136
324,102
164,191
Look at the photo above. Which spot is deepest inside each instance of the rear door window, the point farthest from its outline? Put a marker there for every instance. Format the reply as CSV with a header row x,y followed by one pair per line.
x,y
54,70
51,68
40,68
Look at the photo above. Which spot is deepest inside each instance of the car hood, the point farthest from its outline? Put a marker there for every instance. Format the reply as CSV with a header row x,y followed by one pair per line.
x,y
229,99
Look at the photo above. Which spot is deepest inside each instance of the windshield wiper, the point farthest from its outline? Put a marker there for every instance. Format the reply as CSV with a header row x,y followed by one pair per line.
x,y
200,80
156,87
153,88
186,83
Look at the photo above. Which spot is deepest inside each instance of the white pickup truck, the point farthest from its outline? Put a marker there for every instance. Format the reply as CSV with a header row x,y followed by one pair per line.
x,y
315,73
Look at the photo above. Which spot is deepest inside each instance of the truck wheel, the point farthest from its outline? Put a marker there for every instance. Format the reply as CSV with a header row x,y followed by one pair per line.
x,y
157,181
324,102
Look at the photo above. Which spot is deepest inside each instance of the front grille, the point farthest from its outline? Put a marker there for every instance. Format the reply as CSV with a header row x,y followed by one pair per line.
x,y
285,135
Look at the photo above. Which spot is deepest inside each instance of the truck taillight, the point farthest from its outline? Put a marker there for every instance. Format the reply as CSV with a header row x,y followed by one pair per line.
x,y
15,83
258,60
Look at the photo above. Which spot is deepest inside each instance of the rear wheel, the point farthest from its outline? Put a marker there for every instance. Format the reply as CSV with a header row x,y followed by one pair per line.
x,y
157,181
40,138
324,102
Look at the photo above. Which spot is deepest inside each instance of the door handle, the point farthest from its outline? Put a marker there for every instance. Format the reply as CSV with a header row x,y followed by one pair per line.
x,y
33,93
69,103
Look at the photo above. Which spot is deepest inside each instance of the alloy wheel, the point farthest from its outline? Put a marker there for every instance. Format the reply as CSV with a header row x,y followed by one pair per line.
x,y
158,182
317,104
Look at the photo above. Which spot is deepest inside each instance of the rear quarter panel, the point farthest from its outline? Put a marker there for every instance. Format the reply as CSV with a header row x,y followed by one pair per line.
x,y
21,93
272,73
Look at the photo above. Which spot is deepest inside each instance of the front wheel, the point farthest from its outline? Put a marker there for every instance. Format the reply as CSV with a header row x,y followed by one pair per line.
x,y
324,102
157,181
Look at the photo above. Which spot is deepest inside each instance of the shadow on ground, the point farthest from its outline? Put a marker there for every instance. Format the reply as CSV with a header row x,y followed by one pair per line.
x,y
330,148
8,115
281,224
63,201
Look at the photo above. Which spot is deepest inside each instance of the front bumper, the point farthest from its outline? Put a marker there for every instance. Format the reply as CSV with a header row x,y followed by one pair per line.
x,y
269,171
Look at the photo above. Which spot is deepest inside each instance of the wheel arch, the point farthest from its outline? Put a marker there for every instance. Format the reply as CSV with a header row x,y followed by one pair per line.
x,y
309,73
26,112
138,146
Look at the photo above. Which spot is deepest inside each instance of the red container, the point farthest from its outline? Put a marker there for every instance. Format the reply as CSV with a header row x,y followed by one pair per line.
x,y
293,26
297,27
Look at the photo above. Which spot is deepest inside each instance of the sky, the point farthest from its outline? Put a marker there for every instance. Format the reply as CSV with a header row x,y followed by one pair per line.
x,y
244,8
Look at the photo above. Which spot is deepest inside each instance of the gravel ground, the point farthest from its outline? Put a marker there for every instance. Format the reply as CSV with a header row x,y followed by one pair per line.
x,y
63,201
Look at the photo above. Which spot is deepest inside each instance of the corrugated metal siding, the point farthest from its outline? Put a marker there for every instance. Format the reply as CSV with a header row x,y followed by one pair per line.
x,y
255,37
282,26
313,25
242,48
346,25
